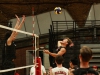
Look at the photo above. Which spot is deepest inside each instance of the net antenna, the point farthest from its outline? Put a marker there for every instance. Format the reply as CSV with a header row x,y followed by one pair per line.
x,y
36,58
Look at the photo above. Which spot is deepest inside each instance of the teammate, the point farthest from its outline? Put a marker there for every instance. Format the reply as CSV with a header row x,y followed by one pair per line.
x,y
85,56
59,70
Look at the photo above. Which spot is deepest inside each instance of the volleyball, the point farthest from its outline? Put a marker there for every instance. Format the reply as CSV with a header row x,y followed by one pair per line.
x,y
57,10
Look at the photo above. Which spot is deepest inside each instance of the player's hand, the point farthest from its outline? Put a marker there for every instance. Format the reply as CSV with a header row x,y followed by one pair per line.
x,y
46,51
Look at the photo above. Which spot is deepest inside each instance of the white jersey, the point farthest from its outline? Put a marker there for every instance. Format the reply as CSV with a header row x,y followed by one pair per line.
x,y
59,71
32,70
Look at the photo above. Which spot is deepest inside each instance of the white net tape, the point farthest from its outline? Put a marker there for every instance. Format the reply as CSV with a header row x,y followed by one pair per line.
x,y
6,70
20,31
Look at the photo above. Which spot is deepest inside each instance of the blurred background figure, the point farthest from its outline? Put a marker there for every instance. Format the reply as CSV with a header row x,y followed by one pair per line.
x,y
96,68
73,64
